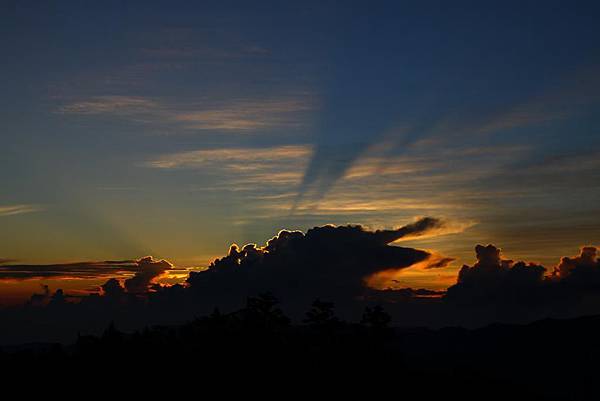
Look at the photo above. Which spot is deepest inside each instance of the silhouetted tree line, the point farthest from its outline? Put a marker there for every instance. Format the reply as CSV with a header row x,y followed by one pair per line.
x,y
551,359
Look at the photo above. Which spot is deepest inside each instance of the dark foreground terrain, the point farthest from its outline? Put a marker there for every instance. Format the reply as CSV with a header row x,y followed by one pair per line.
x,y
550,359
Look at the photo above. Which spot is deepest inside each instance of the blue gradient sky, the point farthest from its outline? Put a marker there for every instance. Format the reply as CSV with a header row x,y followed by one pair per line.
x,y
175,128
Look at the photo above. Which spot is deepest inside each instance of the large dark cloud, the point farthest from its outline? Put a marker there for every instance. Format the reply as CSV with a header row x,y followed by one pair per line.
x,y
327,261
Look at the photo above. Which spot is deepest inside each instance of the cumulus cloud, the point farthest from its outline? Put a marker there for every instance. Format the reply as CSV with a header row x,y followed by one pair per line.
x,y
112,288
586,260
40,298
327,261
571,288
46,297
579,274
494,279
348,265
148,270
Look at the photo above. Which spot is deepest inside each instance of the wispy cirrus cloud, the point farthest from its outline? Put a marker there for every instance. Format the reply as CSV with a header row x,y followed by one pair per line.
x,y
233,158
379,183
11,210
234,114
246,115
572,97
141,271
242,169
83,270
117,105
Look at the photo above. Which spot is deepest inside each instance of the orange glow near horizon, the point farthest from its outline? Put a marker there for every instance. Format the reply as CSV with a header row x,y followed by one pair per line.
x,y
418,275
437,272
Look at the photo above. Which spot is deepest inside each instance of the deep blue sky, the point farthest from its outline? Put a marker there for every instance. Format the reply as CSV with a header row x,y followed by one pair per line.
x,y
176,128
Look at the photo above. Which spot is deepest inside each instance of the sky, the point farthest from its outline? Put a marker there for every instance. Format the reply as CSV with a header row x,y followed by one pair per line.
x,y
174,129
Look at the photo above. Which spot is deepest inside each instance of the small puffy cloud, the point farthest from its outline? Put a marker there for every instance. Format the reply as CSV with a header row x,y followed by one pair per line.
x,y
586,260
148,270
46,297
112,288
579,274
493,279
38,299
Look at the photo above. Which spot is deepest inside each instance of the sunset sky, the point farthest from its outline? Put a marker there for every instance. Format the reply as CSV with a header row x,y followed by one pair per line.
x,y
174,129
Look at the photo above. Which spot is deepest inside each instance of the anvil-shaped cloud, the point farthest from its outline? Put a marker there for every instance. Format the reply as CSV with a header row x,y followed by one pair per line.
x,y
299,267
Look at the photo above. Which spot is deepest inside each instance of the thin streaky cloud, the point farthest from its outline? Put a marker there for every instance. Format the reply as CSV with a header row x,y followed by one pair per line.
x,y
568,99
117,105
11,210
231,158
140,268
247,114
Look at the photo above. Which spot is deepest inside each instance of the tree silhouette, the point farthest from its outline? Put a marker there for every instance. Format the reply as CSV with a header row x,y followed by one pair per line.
x,y
263,311
216,315
321,315
111,334
376,318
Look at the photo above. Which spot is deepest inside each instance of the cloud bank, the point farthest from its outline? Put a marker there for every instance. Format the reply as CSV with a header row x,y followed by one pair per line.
x,y
348,265
139,273
510,289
